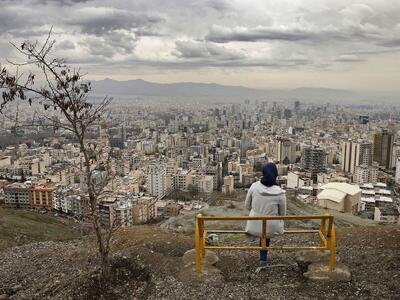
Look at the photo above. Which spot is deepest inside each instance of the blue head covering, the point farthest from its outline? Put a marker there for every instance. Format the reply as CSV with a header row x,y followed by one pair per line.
x,y
270,173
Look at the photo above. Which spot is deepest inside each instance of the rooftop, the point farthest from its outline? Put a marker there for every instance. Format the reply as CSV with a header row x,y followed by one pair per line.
x,y
346,188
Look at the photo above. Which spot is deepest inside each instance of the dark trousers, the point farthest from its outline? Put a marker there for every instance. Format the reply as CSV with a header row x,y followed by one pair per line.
x,y
264,253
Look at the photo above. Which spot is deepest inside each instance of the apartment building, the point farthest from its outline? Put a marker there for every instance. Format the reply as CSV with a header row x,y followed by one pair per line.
x,y
16,195
41,197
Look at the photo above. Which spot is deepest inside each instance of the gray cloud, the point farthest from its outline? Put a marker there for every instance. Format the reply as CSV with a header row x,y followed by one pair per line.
x,y
226,35
110,44
59,2
15,19
190,49
219,34
391,43
198,34
100,20
348,58
65,45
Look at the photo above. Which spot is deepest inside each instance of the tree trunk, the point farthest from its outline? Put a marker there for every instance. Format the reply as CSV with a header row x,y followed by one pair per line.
x,y
102,243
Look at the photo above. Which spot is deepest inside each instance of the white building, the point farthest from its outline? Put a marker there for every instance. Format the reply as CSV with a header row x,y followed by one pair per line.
x,y
206,184
340,196
365,174
228,186
157,181
398,170
286,151
355,154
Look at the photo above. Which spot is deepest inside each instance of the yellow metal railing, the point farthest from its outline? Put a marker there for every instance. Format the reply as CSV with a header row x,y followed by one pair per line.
x,y
326,234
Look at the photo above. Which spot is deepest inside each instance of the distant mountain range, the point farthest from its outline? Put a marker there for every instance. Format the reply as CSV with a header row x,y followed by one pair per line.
x,y
141,87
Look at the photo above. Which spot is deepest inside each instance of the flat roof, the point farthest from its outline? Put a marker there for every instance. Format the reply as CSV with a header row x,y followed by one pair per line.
x,y
368,192
350,189
370,200
384,199
385,192
332,194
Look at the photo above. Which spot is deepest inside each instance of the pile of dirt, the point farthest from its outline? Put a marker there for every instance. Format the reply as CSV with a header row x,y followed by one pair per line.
x,y
67,270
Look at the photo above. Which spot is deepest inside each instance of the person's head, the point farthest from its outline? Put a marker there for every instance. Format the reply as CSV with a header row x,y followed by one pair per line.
x,y
270,173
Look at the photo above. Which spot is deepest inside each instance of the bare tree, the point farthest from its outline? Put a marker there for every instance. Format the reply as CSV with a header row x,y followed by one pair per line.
x,y
63,89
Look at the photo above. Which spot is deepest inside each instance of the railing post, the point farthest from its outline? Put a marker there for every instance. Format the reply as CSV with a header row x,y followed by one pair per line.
x,y
332,244
197,244
264,234
323,231
202,236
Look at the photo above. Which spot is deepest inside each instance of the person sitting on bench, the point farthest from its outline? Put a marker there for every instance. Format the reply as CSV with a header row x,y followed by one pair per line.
x,y
266,198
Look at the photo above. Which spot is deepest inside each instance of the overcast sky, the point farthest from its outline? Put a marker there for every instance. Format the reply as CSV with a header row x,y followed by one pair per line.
x,y
264,44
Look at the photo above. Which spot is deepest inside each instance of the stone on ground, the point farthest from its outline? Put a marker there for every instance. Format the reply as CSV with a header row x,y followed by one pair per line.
x,y
315,266
209,272
189,258
305,258
320,271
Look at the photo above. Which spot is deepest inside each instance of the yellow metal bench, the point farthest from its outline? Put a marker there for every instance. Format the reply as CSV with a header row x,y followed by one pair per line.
x,y
326,234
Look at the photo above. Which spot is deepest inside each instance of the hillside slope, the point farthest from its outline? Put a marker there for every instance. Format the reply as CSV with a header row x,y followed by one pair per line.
x,y
295,207
19,227
150,258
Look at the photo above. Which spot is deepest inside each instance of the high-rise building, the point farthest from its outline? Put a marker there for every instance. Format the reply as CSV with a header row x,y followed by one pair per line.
x,y
365,174
314,161
363,119
383,148
355,154
245,144
396,153
157,181
398,170
296,105
287,113
285,151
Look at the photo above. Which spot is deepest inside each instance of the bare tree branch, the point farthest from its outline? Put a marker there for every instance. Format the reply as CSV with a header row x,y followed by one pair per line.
x,y
65,91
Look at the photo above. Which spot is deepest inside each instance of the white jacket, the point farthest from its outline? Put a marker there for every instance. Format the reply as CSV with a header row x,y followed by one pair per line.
x,y
265,201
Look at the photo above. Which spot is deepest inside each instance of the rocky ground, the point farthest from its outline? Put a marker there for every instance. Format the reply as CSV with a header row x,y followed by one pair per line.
x,y
148,264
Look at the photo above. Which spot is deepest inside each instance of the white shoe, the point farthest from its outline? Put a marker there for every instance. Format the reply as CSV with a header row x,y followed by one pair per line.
x,y
261,269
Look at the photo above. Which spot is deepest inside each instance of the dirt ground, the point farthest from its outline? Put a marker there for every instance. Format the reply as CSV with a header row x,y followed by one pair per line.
x,y
149,263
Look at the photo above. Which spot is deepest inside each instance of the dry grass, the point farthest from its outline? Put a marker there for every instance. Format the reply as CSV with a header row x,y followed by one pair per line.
x,y
18,227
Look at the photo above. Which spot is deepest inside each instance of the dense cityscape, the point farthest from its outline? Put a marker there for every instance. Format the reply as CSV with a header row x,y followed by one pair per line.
x,y
199,149
170,158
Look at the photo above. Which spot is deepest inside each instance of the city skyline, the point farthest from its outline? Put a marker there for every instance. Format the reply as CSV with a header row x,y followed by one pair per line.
x,y
257,44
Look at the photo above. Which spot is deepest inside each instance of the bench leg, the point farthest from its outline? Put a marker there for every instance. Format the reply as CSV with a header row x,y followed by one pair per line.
x,y
332,246
198,247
